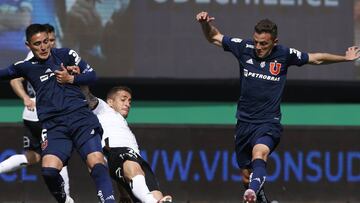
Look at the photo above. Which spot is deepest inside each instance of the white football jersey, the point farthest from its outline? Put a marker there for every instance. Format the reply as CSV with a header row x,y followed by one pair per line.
x,y
27,114
115,127
30,115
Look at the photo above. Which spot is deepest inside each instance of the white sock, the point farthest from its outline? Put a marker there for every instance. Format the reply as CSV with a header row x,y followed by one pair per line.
x,y
65,176
140,189
13,163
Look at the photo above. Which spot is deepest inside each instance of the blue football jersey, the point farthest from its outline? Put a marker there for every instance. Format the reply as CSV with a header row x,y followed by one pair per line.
x,y
262,79
52,98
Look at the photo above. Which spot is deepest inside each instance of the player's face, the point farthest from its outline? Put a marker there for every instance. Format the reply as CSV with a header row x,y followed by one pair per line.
x,y
264,43
39,44
121,102
52,39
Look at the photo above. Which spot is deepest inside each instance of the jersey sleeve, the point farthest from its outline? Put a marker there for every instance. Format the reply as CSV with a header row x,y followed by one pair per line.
x,y
87,74
13,71
233,45
100,108
296,57
75,59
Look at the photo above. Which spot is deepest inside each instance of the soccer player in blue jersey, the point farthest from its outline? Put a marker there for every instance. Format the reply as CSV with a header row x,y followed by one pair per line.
x,y
63,111
32,135
263,67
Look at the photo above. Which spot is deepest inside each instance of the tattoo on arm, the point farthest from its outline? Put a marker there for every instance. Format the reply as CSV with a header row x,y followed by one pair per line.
x,y
90,98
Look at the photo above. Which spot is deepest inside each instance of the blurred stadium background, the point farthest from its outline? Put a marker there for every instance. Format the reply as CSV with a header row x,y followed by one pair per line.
x,y
185,94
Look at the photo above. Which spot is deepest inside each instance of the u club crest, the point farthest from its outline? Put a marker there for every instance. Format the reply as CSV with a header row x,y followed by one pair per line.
x,y
274,68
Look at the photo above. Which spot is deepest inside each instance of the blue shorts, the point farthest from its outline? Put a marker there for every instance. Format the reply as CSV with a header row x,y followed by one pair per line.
x,y
249,134
80,129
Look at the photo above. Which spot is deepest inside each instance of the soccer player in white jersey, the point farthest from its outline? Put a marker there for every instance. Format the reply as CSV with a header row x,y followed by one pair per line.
x,y
32,136
126,166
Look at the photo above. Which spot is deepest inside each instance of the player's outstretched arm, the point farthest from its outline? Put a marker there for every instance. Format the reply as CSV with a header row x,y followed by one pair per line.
x,y
212,34
18,87
351,54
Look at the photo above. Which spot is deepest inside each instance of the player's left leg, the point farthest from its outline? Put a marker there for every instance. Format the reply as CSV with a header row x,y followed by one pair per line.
x,y
31,144
13,163
135,176
91,151
152,182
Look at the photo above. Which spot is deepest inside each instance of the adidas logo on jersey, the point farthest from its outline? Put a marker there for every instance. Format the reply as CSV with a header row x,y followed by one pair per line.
x,y
250,46
48,70
250,61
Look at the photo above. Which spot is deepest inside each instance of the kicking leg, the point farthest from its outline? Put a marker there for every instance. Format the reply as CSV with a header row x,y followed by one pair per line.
x,y
13,163
135,176
19,161
258,176
261,197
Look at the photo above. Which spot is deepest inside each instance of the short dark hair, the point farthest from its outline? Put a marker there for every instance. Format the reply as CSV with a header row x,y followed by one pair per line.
x,y
49,27
266,26
114,90
33,29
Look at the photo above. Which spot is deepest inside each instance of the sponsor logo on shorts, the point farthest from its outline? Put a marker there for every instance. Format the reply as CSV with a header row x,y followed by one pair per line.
x,y
44,140
44,145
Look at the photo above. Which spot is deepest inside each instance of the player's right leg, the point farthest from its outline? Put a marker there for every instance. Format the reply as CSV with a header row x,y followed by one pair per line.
x,y
265,138
32,146
132,171
54,158
258,175
261,196
51,166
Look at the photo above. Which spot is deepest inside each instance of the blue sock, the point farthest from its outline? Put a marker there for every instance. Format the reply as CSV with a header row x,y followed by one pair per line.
x,y
258,175
54,182
100,175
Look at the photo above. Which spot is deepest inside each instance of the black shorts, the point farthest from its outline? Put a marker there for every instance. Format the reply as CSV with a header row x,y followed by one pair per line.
x,y
32,135
116,158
